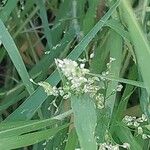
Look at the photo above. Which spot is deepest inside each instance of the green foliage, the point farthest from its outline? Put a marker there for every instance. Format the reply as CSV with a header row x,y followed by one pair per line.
x,y
107,38
83,107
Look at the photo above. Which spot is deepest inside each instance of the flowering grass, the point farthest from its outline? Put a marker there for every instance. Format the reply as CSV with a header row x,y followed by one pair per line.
x,y
74,75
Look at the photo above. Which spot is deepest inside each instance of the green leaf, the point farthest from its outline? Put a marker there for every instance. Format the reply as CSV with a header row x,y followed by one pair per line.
x,y
84,120
13,52
60,23
72,140
5,13
140,42
21,127
115,46
43,16
90,16
117,27
28,139
99,61
103,120
2,54
128,91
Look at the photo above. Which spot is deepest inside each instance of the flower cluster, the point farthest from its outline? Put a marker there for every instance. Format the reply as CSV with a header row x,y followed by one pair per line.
x,y
109,146
136,123
141,132
79,81
72,71
133,121
112,145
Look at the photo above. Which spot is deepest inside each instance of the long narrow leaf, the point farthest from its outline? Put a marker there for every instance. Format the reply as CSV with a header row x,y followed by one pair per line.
x,y
13,52
28,139
85,120
142,48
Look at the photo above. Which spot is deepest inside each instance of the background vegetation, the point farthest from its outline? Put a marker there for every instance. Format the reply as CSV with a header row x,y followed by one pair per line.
x,y
35,32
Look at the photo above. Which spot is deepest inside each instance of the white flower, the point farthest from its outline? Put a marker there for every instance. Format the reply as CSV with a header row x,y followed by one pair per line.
x,y
49,89
82,65
67,66
126,145
127,119
140,130
102,146
61,91
55,91
82,60
66,96
112,59
70,68
59,63
115,147
44,143
119,88
95,78
140,120
144,136
104,74
144,117
74,73
100,105
136,124
92,55
107,72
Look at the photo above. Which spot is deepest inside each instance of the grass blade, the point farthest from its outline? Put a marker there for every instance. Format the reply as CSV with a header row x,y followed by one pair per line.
x,y
72,140
28,139
21,127
13,52
43,16
83,107
142,48
5,13
115,46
